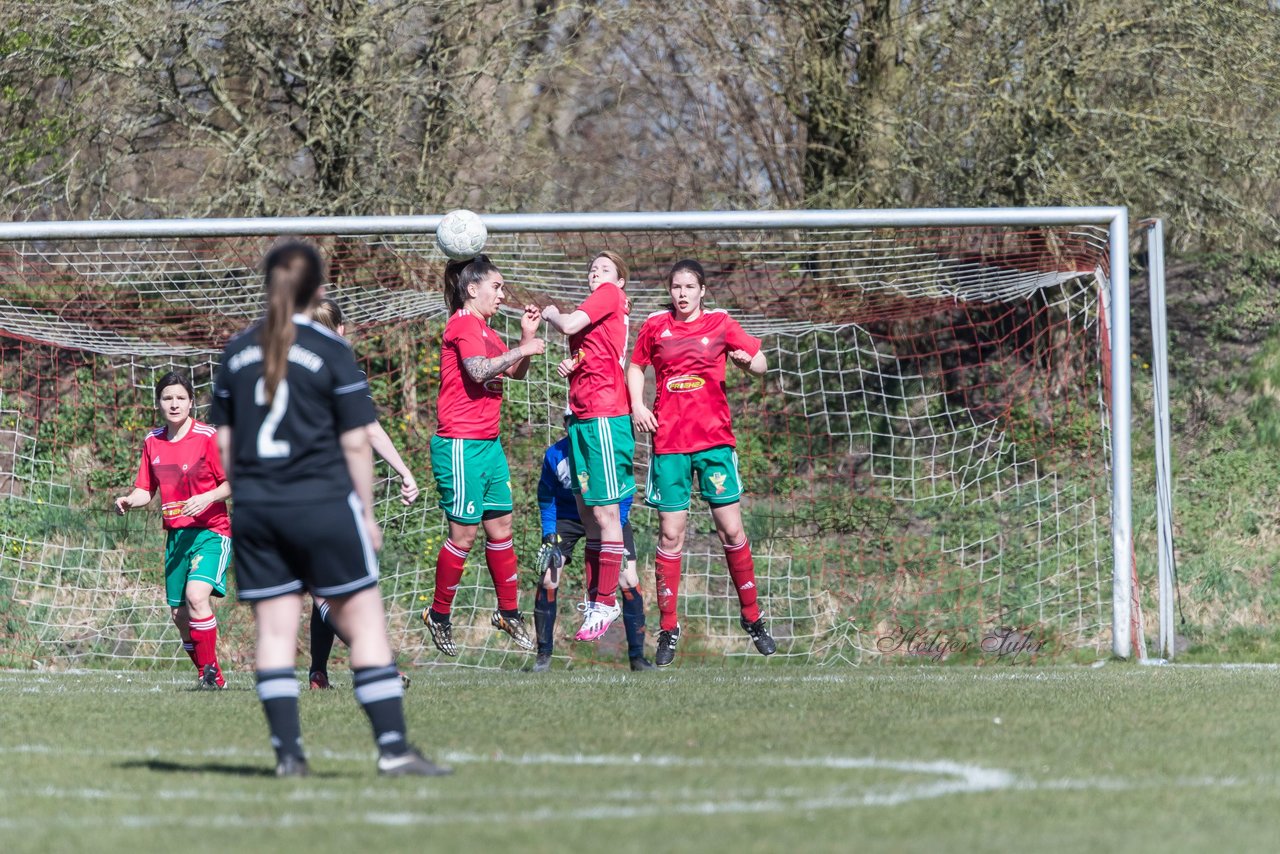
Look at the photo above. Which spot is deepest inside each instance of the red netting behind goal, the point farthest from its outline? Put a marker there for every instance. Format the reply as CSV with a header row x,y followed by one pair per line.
x,y
925,461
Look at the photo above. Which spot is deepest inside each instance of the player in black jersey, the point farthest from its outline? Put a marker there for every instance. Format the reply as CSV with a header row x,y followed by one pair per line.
x,y
292,410
328,314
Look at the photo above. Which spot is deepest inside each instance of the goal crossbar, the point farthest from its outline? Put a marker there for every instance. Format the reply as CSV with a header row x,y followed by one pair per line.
x,y
551,222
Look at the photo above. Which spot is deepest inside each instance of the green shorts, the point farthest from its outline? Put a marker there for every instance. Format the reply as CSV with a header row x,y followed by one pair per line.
x,y
195,554
671,477
601,451
471,476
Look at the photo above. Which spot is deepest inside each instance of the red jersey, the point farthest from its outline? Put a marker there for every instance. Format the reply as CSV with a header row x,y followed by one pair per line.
x,y
466,409
182,469
688,363
597,388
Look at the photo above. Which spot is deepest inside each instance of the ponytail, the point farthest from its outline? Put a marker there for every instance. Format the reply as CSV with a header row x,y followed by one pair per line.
x,y
460,275
293,272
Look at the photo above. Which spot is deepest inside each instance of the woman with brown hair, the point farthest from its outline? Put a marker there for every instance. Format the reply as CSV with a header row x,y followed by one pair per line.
x,y
293,411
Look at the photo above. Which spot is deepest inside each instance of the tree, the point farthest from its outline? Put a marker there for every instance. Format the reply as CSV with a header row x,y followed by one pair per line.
x,y
348,106
43,110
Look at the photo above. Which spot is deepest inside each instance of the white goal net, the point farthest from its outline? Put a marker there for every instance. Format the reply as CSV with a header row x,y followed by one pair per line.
x,y
927,462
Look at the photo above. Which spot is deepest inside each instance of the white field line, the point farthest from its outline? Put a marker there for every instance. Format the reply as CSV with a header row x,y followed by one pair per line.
x,y
635,760
116,681
144,681
788,801
950,778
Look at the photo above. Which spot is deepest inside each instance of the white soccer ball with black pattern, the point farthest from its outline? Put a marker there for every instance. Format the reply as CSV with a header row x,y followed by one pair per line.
x,y
461,235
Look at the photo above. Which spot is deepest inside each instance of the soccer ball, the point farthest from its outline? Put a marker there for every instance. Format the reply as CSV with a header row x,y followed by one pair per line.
x,y
461,235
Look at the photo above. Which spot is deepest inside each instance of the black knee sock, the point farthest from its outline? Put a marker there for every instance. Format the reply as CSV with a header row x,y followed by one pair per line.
x,y
322,635
278,691
380,692
633,620
544,619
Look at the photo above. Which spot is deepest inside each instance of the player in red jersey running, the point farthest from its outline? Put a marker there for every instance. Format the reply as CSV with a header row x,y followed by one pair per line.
x,y
601,443
181,460
688,345
467,459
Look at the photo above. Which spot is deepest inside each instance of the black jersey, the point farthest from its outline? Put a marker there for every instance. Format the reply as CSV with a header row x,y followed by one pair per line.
x,y
288,451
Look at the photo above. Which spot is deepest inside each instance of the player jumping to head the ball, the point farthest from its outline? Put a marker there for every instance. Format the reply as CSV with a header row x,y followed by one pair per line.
x,y
688,346
601,444
467,459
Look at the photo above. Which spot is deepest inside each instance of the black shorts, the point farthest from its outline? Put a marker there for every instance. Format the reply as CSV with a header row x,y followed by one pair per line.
x,y
321,547
571,530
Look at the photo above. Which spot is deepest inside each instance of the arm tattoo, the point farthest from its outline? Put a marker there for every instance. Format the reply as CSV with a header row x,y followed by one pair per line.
x,y
481,369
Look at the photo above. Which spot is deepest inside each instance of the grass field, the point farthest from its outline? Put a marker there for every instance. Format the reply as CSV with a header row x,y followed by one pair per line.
x,y
765,759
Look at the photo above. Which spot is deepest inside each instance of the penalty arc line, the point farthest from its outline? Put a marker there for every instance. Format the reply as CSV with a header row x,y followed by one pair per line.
x,y
956,778
971,773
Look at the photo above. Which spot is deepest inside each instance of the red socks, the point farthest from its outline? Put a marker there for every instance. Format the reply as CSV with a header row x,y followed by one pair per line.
x,y
667,574
591,568
449,564
742,570
190,649
611,557
204,637
501,558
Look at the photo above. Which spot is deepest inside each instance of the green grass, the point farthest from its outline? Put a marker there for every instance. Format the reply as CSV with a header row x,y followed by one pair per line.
x,y
879,759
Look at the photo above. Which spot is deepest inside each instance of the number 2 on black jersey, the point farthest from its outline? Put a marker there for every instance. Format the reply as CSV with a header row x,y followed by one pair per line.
x,y
269,447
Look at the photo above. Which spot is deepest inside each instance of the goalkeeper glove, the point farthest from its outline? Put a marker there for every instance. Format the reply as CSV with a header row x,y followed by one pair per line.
x,y
550,560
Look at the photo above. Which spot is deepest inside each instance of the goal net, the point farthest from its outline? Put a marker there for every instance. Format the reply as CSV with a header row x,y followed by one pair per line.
x,y
926,462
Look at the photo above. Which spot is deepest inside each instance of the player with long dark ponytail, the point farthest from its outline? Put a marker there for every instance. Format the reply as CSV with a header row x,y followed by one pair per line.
x,y
467,459
292,411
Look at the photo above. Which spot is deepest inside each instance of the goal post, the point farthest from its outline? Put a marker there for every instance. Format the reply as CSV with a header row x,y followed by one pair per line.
x,y
940,448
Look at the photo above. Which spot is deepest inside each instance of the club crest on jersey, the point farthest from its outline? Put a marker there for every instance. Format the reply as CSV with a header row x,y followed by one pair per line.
x,y
583,480
685,382
717,480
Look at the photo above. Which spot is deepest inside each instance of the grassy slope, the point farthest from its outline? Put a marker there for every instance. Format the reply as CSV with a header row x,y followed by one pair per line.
x,y
1226,460
1066,759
